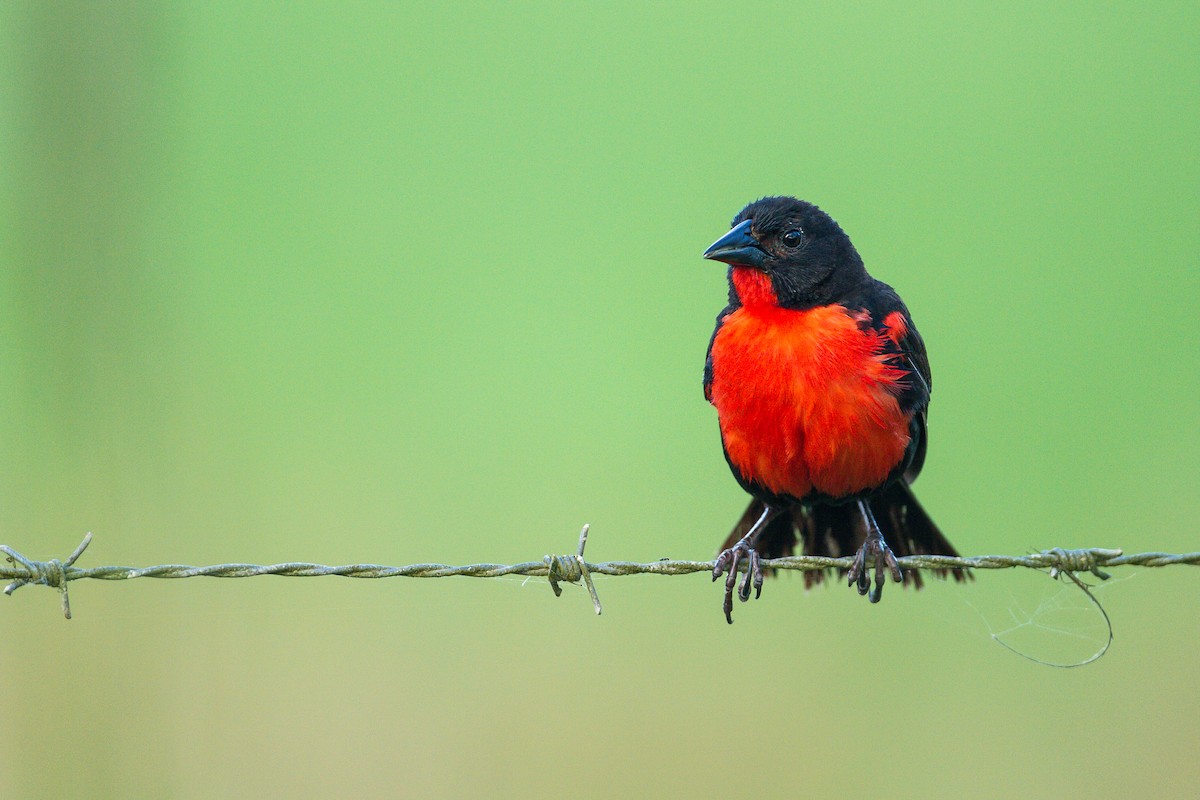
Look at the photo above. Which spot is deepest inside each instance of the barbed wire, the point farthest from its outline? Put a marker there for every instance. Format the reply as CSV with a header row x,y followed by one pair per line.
x,y
570,568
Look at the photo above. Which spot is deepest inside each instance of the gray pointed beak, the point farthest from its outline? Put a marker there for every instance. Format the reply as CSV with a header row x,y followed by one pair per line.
x,y
738,247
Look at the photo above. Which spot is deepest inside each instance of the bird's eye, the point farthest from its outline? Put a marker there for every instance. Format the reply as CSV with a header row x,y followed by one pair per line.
x,y
792,238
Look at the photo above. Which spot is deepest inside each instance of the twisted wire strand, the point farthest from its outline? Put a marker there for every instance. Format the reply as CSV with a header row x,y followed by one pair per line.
x,y
57,574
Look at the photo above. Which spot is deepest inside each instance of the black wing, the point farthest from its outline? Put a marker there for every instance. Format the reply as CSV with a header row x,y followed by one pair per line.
x,y
903,340
708,368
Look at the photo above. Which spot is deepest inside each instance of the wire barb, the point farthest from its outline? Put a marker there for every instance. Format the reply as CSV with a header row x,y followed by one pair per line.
x,y
1072,561
47,573
571,569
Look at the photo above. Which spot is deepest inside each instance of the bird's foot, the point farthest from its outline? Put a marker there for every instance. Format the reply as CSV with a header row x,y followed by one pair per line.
x,y
874,549
731,558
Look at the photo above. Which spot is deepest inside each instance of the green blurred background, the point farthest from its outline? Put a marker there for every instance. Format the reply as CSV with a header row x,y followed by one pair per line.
x,y
378,283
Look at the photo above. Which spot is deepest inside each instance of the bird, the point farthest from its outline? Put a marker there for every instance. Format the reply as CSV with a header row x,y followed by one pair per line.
x,y
821,384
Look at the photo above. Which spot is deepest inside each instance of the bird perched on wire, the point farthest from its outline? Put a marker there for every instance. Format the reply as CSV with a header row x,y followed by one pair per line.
x,y
821,383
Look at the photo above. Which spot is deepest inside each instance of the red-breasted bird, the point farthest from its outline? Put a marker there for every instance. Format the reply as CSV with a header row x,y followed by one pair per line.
x,y
821,384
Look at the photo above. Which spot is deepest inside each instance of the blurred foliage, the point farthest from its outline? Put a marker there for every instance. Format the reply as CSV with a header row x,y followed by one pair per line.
x,y
401,283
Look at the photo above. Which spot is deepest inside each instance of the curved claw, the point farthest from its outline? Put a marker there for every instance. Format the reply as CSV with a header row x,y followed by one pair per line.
x,y
727,564
753,575
719,566
875,550
876,593
858,576
731,557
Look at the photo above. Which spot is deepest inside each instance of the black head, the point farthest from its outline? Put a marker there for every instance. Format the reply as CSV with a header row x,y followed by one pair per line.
x,y
809,259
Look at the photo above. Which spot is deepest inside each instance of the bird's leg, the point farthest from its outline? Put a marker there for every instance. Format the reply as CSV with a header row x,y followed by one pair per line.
x,y
873,548
732,557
